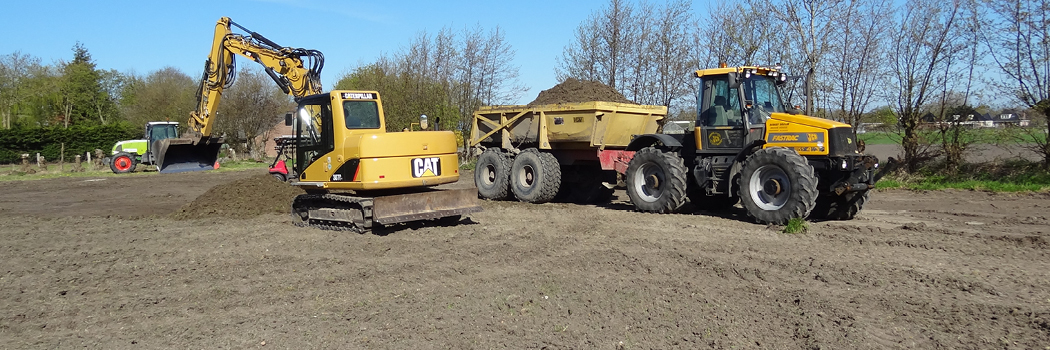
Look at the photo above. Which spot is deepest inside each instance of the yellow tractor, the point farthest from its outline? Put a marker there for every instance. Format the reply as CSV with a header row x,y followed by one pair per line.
x,y
748,146
356,174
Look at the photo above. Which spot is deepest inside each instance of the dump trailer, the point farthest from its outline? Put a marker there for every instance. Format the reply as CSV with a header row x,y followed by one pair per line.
x,y
747,146
533,153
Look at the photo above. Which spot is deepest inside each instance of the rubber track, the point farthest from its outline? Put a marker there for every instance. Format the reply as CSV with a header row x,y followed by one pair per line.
x,y
317,201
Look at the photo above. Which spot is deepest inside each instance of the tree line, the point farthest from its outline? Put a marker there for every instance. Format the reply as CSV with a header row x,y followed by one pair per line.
x,y
77,94
851,59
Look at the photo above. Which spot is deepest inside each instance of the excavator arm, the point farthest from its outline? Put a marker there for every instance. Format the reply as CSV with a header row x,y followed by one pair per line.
x,y
296,71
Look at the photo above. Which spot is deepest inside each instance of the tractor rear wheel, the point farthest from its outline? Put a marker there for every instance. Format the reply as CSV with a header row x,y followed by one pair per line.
x,y
776,185
492,175
844,207
279,177
535,176
656,181
122,162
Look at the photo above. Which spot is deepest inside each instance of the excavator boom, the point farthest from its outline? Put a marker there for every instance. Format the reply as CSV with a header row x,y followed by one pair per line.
x,y
296,71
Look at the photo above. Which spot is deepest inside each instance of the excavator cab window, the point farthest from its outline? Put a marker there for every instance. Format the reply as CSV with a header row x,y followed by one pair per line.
x,y
313,127
361,114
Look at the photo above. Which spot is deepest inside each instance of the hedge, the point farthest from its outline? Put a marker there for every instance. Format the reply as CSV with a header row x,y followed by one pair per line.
x,y
77,139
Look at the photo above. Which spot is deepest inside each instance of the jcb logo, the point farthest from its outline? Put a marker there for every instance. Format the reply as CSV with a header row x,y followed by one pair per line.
x,y
426,167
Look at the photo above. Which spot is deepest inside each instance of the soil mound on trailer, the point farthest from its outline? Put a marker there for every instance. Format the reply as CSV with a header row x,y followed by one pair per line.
x,y
244,198
572,90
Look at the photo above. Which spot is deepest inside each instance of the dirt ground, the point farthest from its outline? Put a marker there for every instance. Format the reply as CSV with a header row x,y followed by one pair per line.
x,y
105,263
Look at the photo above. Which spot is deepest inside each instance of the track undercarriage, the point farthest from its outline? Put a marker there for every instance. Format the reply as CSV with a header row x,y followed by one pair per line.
x,y
359,213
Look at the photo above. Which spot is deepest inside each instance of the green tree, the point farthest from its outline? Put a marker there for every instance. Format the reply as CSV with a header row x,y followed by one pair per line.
x,y
84,101
166,94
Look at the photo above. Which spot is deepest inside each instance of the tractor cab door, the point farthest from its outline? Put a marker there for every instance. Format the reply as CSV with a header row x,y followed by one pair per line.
x,y
314,135
721,124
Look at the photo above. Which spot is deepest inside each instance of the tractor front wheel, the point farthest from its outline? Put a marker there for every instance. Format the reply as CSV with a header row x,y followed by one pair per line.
x,y
776,185
122,163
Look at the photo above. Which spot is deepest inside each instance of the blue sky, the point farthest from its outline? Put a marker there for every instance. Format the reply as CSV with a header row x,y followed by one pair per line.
x,y
143,36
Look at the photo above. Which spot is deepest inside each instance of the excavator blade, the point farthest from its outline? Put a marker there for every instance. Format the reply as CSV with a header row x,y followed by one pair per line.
x,y
424,205
180,155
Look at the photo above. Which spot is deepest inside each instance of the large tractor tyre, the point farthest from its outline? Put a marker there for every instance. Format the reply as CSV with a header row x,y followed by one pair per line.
x,y
122,163
535,176
844,207
280,177
776,185
492,175
656,181
703,201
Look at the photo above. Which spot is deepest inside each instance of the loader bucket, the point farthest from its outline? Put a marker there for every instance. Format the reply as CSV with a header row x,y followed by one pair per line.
x,y
180,155
424,205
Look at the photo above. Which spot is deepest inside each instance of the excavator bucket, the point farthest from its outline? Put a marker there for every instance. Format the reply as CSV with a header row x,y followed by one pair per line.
x,y
180,155
426,205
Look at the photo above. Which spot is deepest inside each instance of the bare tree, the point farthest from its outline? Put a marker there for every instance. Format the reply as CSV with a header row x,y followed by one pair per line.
x,y
644,52
1018,39
811,26
856,66
670,56
15,71
920,50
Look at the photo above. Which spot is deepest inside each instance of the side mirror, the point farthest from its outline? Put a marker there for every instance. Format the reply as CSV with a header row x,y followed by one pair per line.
x,y
733,82
423,121
437,123
288,118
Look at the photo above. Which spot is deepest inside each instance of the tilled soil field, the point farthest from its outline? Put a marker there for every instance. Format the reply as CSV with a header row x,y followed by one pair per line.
x,y
122,262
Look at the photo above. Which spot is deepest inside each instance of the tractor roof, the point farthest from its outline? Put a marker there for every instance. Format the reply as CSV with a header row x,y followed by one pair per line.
x,y
724,70
162,123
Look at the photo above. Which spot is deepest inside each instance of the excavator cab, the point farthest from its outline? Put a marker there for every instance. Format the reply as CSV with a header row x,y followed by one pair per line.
x,y
370,176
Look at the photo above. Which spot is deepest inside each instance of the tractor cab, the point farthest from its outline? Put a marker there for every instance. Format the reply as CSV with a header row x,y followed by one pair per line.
x,y
156,131
733,105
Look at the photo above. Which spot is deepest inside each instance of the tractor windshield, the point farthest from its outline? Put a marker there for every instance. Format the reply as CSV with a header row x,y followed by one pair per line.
x,y
764,96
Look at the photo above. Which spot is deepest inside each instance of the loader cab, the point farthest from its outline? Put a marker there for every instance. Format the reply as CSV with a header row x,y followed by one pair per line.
x,y
733,105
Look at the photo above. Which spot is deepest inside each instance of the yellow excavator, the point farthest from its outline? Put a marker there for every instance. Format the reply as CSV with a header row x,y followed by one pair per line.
x,y
356,175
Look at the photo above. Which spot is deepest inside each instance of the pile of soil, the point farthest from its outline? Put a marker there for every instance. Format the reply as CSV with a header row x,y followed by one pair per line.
x,y
243,198
573,90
